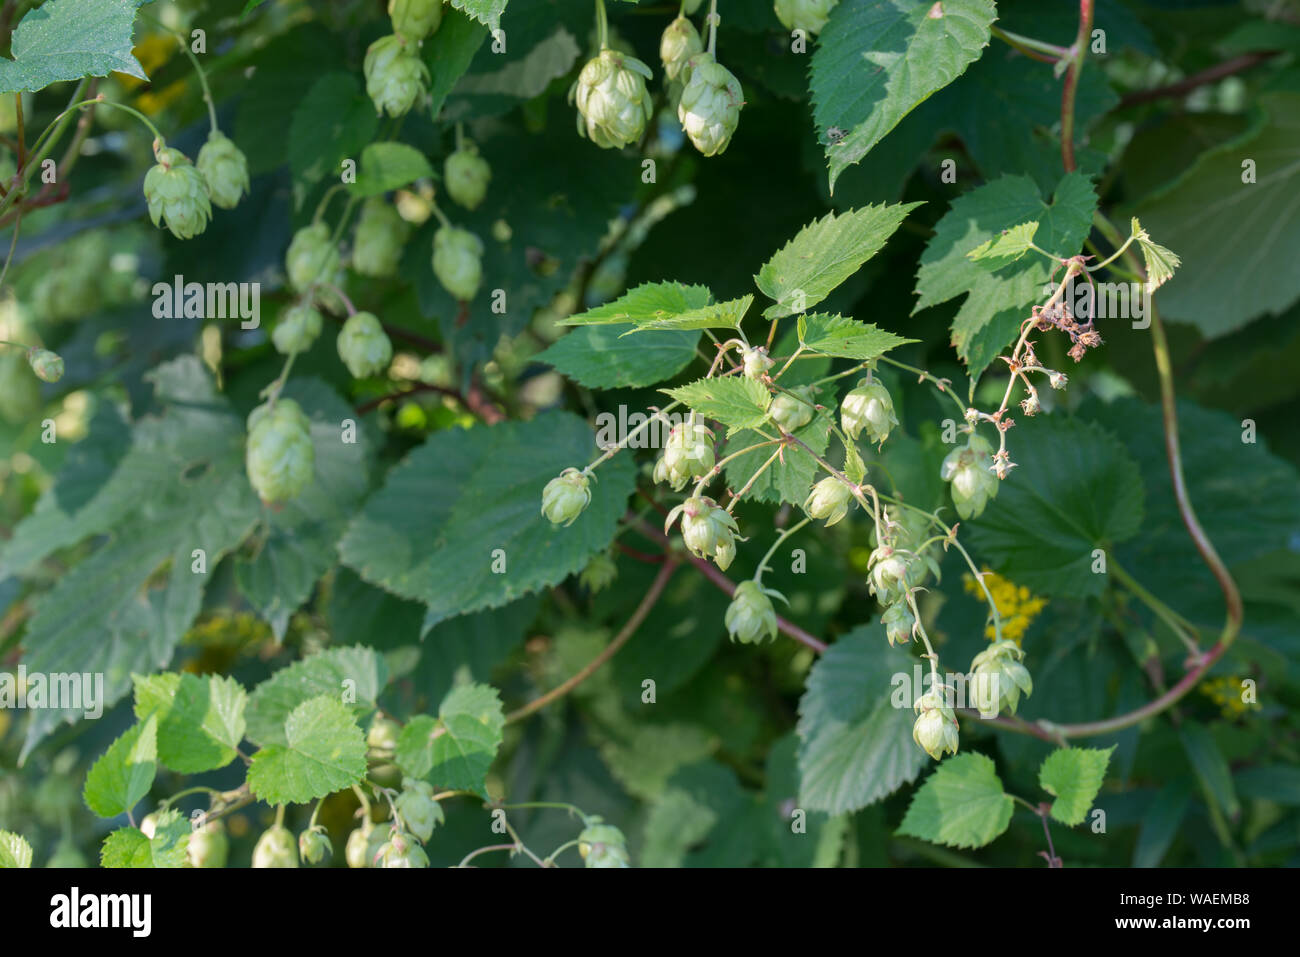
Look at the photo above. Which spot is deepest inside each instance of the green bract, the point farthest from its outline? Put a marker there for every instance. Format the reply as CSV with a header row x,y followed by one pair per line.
x,y
276,848
998,678
364,346
177,194
680,42
750,617
970,471
314,845
312,257
297,329
415,19
47,365
830,500
401,850
709,109
466,176
418,808
395,74
225,170
566,497
806,15
381,234
613,103
279,457
458,261
935,729
870,407
602,845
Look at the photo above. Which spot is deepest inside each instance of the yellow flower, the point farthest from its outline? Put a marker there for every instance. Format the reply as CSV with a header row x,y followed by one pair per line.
x,y
1017,606
1230,693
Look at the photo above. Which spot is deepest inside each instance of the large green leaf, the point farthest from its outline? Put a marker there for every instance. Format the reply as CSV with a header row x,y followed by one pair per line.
x,y
324,752
14,850
826,252
388,166
1075,489
996,301
736,402
599,357
1073,776
125,772
69,39
354,676
200,720
529,76
855,744
455,750
130,847
962,804
879,59
846,338
467,500
334,121
647,303
448,54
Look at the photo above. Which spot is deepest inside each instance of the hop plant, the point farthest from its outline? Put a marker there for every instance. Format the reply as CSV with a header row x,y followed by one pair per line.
x,y
395,75
969,469
708,530
224,168
792,410
756,361
381,234
177,194
998,678
47,365
276,848
688,454
364,346
314,845
899,622
566,496
401,850
750,617
680,42
355,852
888,575
383,734
709,109
935,729
280,457
806,15
312,256
208,846
415,19
602,845
297,329
418,808
458,261
466,176
613,102
868,406
830,499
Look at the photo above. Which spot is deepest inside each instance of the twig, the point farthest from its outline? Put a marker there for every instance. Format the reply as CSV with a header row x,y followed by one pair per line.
x,y
1227,68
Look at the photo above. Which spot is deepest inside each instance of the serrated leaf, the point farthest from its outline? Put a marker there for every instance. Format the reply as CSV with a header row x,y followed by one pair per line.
x,y
1160,262
125,772
790,477
1073,776
68,40
129,847
432,531
324,752
718,315
846,338
448,54
996,302
675,823
414,751
354,675
14,850
1074,489
598,357
962,804
736,402
200,720
456,750
486,12
1005,248
825,253
648,755
388,166
876,61
334,122
855,744
646,303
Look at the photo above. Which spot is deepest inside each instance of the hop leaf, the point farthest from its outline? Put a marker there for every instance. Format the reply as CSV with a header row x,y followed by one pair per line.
x,y
1160,262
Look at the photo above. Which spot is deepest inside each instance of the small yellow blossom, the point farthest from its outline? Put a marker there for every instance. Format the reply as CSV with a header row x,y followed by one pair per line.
x,y
1016,605
1231,694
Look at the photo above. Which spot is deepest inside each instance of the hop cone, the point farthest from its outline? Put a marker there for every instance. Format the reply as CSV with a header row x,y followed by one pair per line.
x,y
381,234
467,175
177,194
415,19
680,42
458,261
280,456
806,15
364,346
612,100
710,106
224,168
395,76
297,329
312,257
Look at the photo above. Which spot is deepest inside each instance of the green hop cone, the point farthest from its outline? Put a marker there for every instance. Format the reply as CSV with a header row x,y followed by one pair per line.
x,y
935,729
395,75
806,15
679,43
47,365
566,496
688,453
314,845
792,411
613,102
830,499
276,848
297,329
458,261
968,468
20,395
466,176
998,678
599,573
708,530
401,850
209,846
364,346
418,808
358,843
177,195
887,575
415,19
898,621
280,457
312,257
868,407
224,168
756,362
381,234
383,734
602,845
750,617
709,109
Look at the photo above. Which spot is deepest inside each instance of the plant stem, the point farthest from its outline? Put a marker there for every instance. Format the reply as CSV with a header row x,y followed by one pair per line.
x,y
602,25
1077,55
1179,625
1036,49
762,565
712,19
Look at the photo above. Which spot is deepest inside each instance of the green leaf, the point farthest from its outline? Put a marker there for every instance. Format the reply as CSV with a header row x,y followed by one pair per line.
x,y
129,847
529,76
962,804
469,647
1160,262
1235,238
599,358
388,166
486,12
647,303
353,676
855,743
996,302
736,402
448,54
1211,767
200,720
825,253
790,477
1005,248
718,315
70,39
876,61
847,338
675,823
325,751
643,759
432,532
1074,489
1073,776
1160,824
334,121
125,772
14,850
456,750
